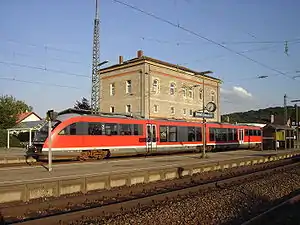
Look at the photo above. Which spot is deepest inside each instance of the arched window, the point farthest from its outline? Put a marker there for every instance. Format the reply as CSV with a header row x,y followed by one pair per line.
x,y
190,92
172,88
155,85
184,92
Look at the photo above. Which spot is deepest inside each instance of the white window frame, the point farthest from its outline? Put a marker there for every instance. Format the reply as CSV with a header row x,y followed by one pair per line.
x,y
126,108
112,109
212,96
155,85
184,92
172,107
172,88
191,93
112,89
128,86
155,108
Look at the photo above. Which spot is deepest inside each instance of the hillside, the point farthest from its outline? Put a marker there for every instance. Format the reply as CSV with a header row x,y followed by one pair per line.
x,y
259,116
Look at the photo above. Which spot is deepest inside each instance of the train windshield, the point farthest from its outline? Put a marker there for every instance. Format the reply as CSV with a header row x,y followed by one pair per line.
x,y
42,134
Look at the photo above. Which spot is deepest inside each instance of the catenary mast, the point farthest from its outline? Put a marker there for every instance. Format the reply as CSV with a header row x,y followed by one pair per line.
x,y
95,98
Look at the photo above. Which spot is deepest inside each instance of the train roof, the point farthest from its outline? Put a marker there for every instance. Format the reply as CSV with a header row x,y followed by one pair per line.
x,y
71,112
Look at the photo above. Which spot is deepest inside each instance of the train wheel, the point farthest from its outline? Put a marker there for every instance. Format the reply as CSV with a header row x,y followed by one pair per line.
x,y
83,156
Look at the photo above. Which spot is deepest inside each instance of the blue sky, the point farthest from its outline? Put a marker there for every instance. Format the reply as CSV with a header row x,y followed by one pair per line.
x,y
51,42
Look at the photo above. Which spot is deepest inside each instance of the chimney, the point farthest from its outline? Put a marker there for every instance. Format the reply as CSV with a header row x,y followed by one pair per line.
x,y
140,53
272,118
120,59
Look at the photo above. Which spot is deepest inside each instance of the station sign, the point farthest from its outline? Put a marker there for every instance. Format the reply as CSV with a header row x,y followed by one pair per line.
x,y
204,114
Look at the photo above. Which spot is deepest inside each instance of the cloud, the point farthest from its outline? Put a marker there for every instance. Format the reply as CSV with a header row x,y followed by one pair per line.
x,y
236,92
235,99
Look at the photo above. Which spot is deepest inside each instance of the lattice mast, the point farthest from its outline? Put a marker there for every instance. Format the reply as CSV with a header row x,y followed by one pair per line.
x,y
95,98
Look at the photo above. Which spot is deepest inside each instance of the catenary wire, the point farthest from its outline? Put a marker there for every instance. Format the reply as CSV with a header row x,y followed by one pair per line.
x,y
199,36
43,69
37,82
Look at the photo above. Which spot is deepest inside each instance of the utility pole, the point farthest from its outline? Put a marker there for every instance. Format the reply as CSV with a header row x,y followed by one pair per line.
x,y
285,109
95,98
203,120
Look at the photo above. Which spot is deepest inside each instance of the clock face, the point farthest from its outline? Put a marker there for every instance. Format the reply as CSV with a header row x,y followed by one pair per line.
x,y
211,107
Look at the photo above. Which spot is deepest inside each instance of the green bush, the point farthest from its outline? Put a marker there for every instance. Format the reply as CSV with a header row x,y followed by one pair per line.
x,y
13,141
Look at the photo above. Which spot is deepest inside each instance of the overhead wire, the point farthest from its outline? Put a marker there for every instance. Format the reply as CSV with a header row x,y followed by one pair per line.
x,y
199,36
37,82
43,69
46,47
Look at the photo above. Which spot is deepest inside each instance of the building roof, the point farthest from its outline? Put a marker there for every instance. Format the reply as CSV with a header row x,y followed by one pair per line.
x,y
146,58
25,126
24,115
278,126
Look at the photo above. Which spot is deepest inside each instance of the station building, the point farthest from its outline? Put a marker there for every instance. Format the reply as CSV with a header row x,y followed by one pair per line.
x,y
151,88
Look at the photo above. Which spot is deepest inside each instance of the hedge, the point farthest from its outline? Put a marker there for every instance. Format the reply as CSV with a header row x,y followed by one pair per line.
x,y
14,141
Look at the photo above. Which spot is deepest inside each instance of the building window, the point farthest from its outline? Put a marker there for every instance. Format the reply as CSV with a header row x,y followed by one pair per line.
x,y
212,96
172,88
128,86
155,86
200,94
190,93
184,92
112,89
112,109
128,108
155,108
184,111
191,112
172,110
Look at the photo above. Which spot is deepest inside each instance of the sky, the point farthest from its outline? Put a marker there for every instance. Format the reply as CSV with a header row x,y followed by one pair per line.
x,y
46,46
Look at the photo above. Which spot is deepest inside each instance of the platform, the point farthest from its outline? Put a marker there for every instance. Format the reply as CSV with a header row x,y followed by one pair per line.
x,y
25,183
13,155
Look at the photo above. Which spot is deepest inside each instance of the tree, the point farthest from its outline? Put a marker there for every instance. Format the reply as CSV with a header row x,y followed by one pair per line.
x,y
83,104
10,108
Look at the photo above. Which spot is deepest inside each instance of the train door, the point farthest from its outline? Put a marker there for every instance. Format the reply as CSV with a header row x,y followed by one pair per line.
x,y
151,138
241,136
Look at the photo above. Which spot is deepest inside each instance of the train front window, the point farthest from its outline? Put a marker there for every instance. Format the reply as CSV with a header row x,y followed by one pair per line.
x,y
42,134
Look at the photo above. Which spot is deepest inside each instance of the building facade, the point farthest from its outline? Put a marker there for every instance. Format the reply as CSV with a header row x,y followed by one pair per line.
x,y
151,88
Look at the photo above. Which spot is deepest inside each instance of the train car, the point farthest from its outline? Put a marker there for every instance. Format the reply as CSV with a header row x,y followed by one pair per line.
x,y
77,135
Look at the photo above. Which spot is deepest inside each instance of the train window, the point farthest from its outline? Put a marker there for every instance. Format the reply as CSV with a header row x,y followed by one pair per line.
x,y
230,134
259,133
73,129
172,134
191,133
95,129
137,129
125,129
198,134
163,130
246,132
111,129
212,134
235,134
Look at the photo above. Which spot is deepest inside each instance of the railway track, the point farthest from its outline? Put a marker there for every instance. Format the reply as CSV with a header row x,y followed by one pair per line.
x,y
270,214
144,197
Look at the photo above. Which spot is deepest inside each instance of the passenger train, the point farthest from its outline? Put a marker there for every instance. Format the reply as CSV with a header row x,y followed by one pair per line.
x,y
78,135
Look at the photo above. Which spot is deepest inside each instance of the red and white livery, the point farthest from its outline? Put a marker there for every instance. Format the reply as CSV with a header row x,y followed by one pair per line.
x,y
76,134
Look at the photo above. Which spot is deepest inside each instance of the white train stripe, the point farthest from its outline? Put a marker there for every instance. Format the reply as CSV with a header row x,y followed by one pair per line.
x,y
144,146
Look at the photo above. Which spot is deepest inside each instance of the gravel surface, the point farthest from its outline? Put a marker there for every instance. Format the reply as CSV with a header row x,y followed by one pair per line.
x,y
287,215
219,206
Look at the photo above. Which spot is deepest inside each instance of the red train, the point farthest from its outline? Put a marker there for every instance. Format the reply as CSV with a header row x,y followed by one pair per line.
x,y
76,134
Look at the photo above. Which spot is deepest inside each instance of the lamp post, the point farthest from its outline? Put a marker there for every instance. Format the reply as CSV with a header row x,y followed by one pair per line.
x,y
297,120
